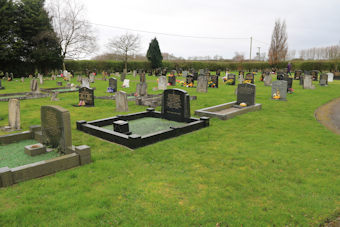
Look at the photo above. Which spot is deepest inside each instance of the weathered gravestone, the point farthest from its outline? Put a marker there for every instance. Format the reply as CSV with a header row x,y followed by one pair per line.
x,y
279,89
267,79
301,80
231,77
53,77
246,94
86,96
297,74
112,85
22,79
56,128
41,79
240,79
142,78
214,81
85,82
176,105
91,78
34,85
134,73
307,82
14,114
123,76
54,96
323,79
126,83
172,80
79,79
141,89
121,102
202,84
315,74
185,73
162,83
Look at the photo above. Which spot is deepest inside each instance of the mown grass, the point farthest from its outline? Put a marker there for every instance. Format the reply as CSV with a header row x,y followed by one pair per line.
x,y
277,166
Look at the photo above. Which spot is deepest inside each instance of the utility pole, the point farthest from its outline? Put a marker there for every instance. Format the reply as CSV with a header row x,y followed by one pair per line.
x,y
259,53
251,44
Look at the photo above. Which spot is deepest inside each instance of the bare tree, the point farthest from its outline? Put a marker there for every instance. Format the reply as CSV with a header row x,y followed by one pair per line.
x,y
75,34
125,45
279,46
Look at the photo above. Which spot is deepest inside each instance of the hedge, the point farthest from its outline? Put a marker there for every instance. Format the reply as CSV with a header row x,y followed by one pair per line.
x,y
117,66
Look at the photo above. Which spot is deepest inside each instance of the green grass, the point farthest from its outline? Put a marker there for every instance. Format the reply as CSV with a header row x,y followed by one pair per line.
x,y
278,166
13,155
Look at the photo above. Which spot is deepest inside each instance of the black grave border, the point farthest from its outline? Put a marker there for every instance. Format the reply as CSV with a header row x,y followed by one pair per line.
x,y
134,141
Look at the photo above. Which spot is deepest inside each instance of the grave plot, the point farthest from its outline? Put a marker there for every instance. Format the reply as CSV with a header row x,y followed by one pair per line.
x,y
245,103
42,150
59,90
144,128
22,96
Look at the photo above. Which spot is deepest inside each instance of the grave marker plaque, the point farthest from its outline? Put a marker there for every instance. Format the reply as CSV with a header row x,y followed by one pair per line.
x,y
86,95
56,127
176,105
202,84
246,93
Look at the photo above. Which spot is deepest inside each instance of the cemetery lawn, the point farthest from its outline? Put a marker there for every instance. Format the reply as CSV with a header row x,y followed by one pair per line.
x,y
277,166
13,155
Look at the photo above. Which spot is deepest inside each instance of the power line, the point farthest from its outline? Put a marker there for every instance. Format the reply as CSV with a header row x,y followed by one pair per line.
x,y
167,34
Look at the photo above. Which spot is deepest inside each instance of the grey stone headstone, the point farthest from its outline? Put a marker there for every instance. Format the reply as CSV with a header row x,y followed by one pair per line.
x,y
176,105
91,78
246,93
121,102
323,79
14,114
162,83
185,73
56,127
34,85
79,79
54,96
134,73
22,80
202,84
85,82
41,79
123,76
201,72
267,80
240,79
141,89
142,78
281,87
53,77
307,82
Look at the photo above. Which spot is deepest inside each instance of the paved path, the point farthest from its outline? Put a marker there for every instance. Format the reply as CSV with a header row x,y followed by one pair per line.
x,y
329,115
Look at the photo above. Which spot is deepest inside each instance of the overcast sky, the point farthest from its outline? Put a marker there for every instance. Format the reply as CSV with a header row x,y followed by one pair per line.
x,y
310,23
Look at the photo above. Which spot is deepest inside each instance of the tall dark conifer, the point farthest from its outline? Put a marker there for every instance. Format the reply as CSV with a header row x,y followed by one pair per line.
x,y
154,54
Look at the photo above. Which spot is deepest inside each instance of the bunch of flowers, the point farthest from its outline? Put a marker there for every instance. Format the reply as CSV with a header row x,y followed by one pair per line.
x,y
290,90
247,82
229,82
81,103
110,90
211,84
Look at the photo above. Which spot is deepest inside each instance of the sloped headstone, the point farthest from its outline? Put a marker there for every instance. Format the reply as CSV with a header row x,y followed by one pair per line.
x,y
162,83
202,84
121,102
14,114
56,127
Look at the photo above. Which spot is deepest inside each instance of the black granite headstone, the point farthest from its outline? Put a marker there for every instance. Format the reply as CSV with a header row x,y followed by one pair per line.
x,y
86,95
246,93
172,80
176,105
113,84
